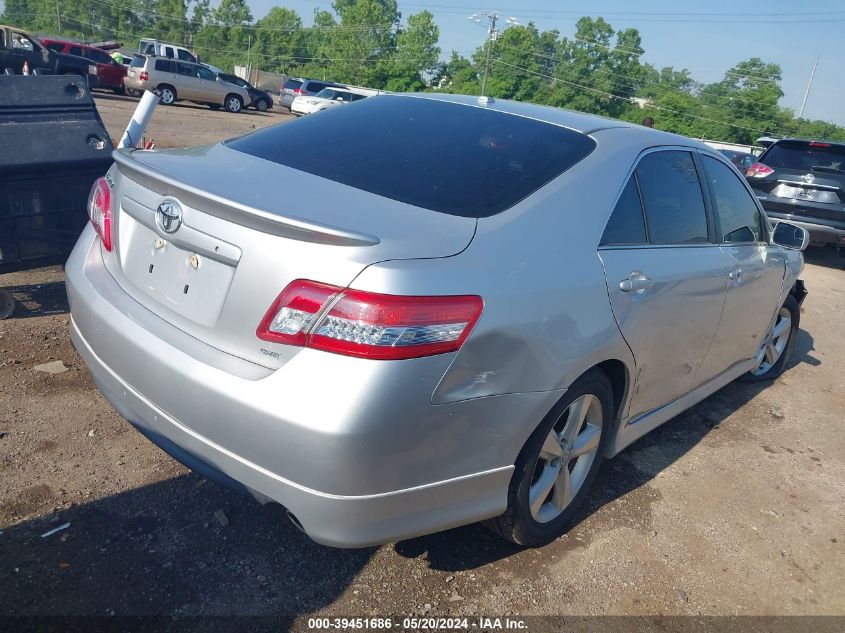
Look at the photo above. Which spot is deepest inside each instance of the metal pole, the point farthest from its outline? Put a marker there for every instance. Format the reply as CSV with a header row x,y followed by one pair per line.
x,y
807,91
490,33
58,16
248,51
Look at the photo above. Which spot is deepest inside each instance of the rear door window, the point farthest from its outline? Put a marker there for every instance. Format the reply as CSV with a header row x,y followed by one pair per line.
x,y
315,87
739,218
457,159
186,70
671,194
627,224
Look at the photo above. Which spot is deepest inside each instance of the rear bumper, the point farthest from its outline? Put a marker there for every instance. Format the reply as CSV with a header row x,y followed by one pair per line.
x,y
820,229
354,449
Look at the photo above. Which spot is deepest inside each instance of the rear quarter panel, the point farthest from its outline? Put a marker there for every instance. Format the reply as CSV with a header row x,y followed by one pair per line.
x,y
547,317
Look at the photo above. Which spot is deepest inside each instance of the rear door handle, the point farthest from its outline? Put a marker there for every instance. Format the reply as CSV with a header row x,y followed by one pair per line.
x,y
635,282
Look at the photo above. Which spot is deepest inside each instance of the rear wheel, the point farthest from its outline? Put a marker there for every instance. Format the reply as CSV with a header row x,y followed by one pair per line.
x,y
778,344
556,467
234,104
167,94
132,92
262,105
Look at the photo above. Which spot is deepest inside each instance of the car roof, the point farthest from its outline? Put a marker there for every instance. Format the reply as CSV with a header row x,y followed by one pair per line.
x,y
578,121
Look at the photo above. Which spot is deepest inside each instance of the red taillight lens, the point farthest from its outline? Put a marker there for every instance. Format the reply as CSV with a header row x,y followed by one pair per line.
x,y
817,144
99,210
758,170
292,313
369,325
145,76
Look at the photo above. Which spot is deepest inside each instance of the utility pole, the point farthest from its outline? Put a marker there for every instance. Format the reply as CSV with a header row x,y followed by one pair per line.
x,y
58,16
807,91
492,18
248,51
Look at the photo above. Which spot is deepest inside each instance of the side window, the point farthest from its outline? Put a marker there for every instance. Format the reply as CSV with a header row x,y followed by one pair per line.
x,y
164,65
184,55
626,224
739,217
185,70
671,192
22,41
205,73
315,87
53,46
100,58
76,50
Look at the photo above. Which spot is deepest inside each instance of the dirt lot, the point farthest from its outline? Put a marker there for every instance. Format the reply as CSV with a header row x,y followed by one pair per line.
x,y
184,124
735,507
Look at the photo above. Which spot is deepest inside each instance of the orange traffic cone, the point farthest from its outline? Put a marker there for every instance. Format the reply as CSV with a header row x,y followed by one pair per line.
x,y
25,70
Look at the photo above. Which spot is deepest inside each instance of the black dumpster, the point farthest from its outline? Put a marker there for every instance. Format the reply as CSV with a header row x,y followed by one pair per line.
x,y
53,145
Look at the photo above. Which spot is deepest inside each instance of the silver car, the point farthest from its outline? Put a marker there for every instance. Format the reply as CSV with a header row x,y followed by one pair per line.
x,y
476,304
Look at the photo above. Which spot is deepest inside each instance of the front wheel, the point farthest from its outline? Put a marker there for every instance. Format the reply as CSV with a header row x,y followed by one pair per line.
x,y
262,105
556,467
234,104
777,345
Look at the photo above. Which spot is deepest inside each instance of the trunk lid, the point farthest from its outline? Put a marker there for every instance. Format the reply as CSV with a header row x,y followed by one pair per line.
x,y
249,227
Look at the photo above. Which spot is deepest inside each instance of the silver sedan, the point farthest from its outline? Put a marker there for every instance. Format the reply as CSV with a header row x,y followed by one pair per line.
x,y
417,312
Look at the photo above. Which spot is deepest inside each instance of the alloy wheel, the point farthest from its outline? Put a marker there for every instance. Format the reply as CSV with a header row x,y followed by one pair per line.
x,y
565,458
774,343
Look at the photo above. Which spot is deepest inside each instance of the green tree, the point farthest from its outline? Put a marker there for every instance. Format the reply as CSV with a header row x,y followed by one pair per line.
x,y
416,54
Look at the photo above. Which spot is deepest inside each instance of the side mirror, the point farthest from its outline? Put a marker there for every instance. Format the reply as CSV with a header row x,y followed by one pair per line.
x,y
790,236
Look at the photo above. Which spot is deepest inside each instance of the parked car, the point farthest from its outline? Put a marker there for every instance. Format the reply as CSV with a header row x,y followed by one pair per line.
x,y
296,86
323,100
110,72
18,47
507,294
261,99
741,160
803,181
184,81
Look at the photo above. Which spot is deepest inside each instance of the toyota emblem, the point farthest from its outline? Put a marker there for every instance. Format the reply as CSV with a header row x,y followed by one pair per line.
x,y
169,216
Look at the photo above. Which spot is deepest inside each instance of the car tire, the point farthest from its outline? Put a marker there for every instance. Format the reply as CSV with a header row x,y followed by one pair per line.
x,y
132,92
777,344
233,104
262,105
539,512
166,94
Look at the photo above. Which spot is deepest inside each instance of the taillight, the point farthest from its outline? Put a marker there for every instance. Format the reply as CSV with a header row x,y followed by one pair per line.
x,y
298,91
369,325
145,76
99,210
758,170
817,144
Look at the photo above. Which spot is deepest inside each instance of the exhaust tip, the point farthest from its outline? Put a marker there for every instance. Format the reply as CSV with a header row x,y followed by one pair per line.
x,y
295,521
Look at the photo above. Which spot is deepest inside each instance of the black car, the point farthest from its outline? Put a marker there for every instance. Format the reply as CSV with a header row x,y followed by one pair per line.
x,y
261,99
803,181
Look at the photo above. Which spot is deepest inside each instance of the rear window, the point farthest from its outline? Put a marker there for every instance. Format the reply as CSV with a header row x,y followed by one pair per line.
x,y
805,156
456,159
292,84
137,62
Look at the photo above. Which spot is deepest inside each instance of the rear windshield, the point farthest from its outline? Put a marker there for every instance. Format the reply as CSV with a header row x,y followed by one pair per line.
x,y
806,156
456,159
137,61
293,84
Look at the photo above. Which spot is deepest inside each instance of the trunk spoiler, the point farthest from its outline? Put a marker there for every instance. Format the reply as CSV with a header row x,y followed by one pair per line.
x,y
245,215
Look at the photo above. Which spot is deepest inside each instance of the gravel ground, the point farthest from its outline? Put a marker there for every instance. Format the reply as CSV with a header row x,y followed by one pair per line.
x,y
736,507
